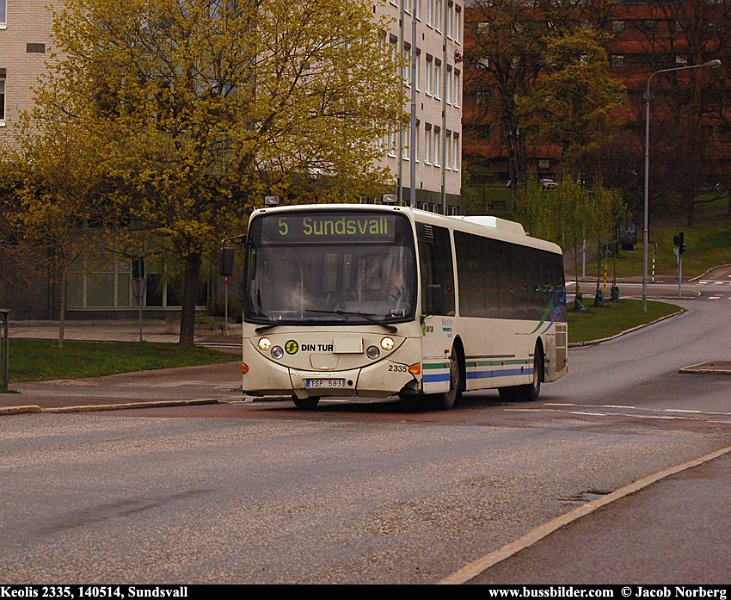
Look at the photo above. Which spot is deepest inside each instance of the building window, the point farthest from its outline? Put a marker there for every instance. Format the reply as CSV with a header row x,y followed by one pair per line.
x,y
450,84
2,101
427,144
102,283
448,149
437,146
455,152
438,15
3,10
438,81
429,74
617,26
457,88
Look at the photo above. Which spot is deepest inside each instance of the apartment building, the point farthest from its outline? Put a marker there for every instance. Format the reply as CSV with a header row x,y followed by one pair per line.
x,y
25,40
438,56
104,289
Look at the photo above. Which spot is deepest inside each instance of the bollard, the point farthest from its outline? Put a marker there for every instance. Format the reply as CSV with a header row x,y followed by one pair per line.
x,y
4,349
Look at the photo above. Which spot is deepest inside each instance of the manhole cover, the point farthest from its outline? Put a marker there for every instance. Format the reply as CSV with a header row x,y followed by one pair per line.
x,y
718,367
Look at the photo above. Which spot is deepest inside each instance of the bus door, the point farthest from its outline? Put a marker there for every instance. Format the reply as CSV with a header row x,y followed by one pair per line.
x,y
437,305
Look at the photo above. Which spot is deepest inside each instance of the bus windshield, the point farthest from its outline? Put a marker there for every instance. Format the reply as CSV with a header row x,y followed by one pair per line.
x,y
321,267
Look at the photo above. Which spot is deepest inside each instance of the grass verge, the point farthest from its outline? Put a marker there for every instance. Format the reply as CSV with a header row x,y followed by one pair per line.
x,y
41,360
615,317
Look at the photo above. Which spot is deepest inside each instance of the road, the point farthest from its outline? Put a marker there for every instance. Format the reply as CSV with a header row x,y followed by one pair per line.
x,y
383,492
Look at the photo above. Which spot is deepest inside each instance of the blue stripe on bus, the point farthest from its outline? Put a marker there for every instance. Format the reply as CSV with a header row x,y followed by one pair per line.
x,y
439,377
432,378
499,373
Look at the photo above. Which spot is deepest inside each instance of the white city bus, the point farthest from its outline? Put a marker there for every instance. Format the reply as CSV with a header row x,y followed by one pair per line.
x,y
378,301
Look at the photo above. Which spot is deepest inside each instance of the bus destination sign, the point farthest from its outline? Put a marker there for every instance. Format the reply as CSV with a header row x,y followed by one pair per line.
x,y
328,228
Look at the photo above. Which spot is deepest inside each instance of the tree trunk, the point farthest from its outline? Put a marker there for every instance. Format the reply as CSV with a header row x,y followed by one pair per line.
x,y
190,293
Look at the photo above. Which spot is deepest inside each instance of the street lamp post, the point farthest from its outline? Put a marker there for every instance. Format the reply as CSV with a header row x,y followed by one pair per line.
x,y
713,64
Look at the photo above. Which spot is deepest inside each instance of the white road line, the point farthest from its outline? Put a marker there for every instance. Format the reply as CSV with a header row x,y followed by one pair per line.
x,y
714,297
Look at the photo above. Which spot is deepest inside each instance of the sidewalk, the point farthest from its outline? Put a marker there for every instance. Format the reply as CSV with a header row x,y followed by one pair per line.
x,y
202,384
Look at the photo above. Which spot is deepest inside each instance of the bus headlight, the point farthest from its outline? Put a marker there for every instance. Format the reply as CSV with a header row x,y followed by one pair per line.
x,y
373,352
387,343
277,352
265,344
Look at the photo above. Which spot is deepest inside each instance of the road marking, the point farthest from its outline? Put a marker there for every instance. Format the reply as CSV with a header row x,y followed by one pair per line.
x,y
714,297
481,565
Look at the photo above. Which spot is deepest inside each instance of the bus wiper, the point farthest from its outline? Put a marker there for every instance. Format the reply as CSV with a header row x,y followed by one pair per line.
x,y
368,317
268,326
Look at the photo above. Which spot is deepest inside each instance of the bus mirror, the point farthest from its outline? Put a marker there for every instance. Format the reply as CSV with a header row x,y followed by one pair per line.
x,y
226,261
434,299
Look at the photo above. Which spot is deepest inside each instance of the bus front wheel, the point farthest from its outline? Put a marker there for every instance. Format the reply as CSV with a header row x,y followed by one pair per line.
x,y
306,403
448,399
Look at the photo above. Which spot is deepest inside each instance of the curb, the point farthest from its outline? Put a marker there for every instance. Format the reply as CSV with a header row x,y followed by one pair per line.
x,y
19,410
706,368
625,332
478,567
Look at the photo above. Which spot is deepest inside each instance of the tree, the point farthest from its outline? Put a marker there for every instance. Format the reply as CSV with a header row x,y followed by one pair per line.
x,y
690,108
572,104
504,61
505,58
53,206
199,107
564,215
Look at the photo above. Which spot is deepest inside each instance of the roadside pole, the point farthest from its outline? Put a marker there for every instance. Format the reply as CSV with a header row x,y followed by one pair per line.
x,y
4,348
139,284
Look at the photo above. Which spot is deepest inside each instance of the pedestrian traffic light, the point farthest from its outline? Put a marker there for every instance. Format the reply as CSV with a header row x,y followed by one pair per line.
x,y
679,242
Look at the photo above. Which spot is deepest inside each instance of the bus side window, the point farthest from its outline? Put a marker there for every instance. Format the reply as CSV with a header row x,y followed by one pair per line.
x,y
435,256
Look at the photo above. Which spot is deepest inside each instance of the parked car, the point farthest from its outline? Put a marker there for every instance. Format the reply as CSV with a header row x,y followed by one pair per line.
x,y
547,183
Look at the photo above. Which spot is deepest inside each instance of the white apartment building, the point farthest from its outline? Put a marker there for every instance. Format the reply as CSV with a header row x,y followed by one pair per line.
x,y
25,37
438,82
25,45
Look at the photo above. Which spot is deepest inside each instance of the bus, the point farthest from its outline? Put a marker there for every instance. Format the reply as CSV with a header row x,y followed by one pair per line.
x,y
358,300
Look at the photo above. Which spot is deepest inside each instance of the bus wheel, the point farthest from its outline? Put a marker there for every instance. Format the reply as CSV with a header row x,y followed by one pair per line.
x,y
531,391
306,403
447,400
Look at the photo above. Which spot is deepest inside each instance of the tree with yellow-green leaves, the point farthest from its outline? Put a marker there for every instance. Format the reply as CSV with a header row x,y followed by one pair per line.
x,y
574,101
194,109
51,203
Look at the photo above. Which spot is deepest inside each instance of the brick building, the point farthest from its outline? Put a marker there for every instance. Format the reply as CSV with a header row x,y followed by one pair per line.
x,y
646,36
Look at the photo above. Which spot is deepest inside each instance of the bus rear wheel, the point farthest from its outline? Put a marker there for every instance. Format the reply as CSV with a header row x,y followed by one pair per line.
x,y
306,403
530,391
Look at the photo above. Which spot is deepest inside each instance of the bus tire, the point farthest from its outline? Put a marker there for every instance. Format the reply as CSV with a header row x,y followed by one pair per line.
x,y
448,399
306,403
531,391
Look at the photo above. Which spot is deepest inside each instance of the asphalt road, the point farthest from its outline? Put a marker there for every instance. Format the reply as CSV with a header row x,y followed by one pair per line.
x,y
387,492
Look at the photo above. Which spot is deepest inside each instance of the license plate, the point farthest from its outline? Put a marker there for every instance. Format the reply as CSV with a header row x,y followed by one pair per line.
x,y
324,383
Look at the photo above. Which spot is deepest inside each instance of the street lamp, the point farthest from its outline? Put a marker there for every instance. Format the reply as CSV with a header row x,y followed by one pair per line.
x,y
713,64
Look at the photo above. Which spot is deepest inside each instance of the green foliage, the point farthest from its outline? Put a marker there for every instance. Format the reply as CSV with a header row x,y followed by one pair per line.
x,y
40,360
189,111
614,318
573,101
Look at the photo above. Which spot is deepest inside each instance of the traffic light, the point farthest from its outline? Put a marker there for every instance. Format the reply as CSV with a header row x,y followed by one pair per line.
x,y
138,268
679,242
